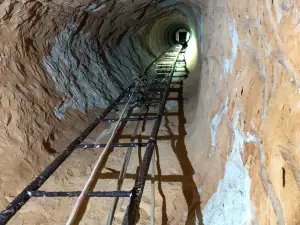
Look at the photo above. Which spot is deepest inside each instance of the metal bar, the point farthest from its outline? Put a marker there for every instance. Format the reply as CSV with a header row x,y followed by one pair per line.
x,y
161,89
129,119
106,194
173,76
135,103
137,192
23,197
163,71
118,145
152,217
165,114
99,161
123,173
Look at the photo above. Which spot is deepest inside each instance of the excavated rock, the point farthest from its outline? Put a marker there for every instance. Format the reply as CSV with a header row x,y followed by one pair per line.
x,y
236,159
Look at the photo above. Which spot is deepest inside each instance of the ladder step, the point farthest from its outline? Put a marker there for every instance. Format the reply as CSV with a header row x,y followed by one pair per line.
x,y
77,193
163,70
166,114
174,76
135,103
165,63
118,145
162,89
163,73
169,99
129,119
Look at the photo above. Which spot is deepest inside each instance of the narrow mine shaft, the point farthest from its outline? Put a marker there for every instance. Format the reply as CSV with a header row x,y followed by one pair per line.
x,y
149,112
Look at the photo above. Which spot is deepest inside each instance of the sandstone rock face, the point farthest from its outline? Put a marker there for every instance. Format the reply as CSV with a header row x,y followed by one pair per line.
x,y
248,96
237,154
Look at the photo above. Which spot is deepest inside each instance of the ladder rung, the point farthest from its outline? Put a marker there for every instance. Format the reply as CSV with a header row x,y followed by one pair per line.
x,y
130,119
165,63
118,145
106,194
135,103
178,76
164,70
160,73
166,114
162,89
169,99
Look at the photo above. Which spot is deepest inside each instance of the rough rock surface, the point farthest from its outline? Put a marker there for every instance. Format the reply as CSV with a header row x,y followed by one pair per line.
x,y
238,146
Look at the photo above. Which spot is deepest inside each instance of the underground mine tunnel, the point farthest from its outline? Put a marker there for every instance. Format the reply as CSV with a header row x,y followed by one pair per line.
x,y
227,148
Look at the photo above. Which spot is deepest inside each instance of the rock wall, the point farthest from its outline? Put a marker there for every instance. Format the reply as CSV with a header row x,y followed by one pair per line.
x,y
248,109
61,62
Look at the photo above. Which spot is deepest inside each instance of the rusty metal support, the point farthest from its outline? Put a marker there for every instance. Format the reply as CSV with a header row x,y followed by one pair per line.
x,y
23,197
137,192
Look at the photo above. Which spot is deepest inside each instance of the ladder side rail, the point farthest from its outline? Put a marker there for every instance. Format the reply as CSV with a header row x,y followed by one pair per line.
x,y
137,192
23,197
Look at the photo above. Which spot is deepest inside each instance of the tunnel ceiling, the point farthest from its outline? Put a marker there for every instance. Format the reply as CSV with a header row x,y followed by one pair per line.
x,y
92,51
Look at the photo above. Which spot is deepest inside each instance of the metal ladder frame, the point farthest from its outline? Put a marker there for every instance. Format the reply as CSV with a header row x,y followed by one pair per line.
x,y
136,193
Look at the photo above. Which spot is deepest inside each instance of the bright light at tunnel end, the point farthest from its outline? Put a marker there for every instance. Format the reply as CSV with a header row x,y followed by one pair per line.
x,y
191,54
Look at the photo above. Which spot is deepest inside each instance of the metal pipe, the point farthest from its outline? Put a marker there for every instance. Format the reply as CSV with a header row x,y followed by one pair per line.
x,y
129,119
107,194
118,145
23,197
152,217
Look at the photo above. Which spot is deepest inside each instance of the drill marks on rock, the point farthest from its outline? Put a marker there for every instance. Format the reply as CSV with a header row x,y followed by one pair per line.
x,y
78,73
89,76
230,204
82,75
228,67
215,124
253,214
289,158
96,7
3,58
229,63
281,9
262,76
268,186
294,77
